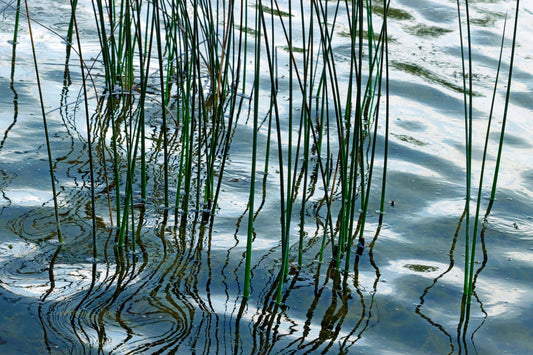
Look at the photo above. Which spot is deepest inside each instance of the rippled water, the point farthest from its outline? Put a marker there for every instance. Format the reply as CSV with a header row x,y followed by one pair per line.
x,y
181,291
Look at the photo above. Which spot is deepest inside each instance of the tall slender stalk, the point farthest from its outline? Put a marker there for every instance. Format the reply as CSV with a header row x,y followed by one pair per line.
x,y
144,64
482,173
159,40
257,73
468,137
89,131
470,242
110,78
325,137
467,96
507,96
387,106
16,28
45,125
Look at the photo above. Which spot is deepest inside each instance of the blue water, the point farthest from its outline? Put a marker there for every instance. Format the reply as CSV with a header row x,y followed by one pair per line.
x,y
181,291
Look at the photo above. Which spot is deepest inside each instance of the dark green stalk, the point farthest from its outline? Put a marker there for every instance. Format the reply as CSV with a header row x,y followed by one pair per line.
x,y
349,177
129,187
288,210
248,261
126,43
70,32
507,96
198,103
370,116
387,105
183,104
482,173
110,111
163,100
45,124
110,72
143,58
73,5
305,122
283,204
245,49
326,53
188,128
185,155
109,79
16,29
88,124
500,146
358,153
467,143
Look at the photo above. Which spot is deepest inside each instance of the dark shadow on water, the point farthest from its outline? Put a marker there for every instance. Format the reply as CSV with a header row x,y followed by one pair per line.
x,y
441,328
463,340
4,174
45,296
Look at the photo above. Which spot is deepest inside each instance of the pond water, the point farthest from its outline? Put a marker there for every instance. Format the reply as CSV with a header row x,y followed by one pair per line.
x,y
181,291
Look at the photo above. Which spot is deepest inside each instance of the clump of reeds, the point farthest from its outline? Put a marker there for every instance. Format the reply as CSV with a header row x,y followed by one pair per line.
x,y
186,59
189,61
467,63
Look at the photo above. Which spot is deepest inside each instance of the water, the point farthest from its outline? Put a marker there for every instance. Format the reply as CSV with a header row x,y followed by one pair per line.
x,y
181,290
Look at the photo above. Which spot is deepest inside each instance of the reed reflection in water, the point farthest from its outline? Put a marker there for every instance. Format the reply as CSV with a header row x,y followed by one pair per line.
x,y
144,303
167,298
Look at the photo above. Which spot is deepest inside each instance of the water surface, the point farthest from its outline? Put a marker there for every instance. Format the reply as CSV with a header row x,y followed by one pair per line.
x,y
182,289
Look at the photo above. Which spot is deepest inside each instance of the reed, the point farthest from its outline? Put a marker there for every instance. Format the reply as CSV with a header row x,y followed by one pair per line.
x,y
186,39
350,148
181,96
188,63
387,112
16,27
506,104
89,130
472,233
251,200
45,123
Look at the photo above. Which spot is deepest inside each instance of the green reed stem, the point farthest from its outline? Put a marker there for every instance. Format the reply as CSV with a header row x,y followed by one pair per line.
x,y
257,73
289,200
233,110
110,74
366,116
331,91
185,164
305,121
45,124
482,173
387,106
507,96
16,28
89,132
467,96
356,153
159,41
110,102
144,64
285,204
